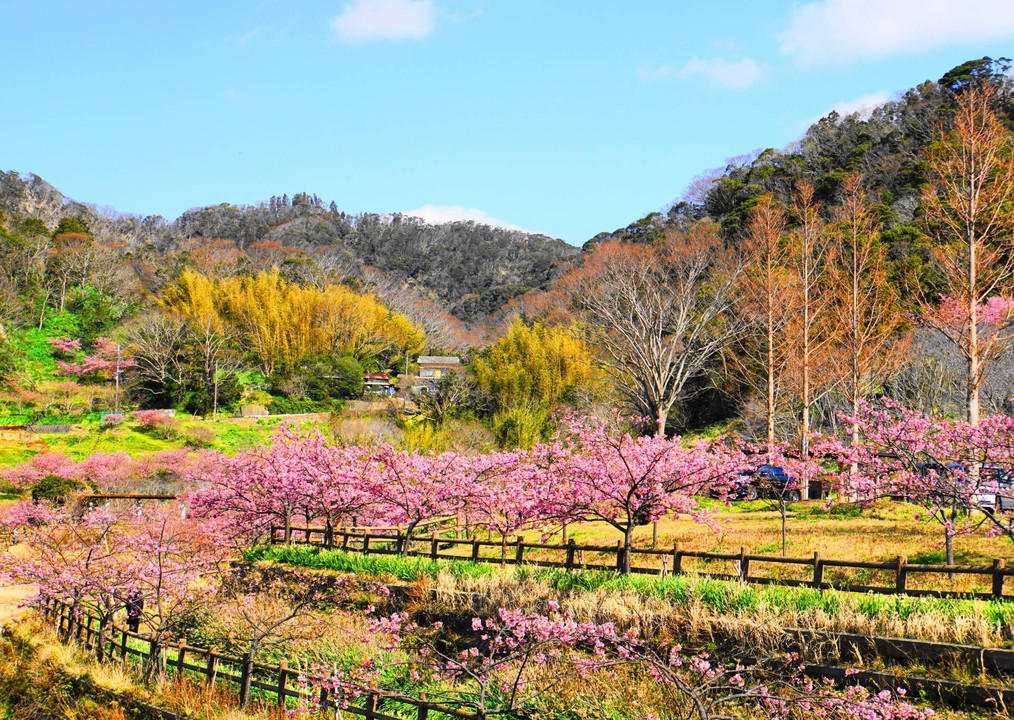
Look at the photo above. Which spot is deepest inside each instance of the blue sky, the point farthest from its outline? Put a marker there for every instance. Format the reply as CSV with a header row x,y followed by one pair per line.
x,y
566,117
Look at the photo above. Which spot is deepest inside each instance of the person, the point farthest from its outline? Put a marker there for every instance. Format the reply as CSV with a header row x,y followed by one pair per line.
x,y
134,605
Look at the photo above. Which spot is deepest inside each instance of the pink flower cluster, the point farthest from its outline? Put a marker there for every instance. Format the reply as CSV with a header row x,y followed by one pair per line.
x,y
583,472
116,472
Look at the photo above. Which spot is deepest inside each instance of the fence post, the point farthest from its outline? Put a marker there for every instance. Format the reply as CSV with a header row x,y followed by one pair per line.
x,y
345,539
744,564
818,570
366,541
570,554
475,548
677,561
901,574
211,667
123,646
998,573
283,668
371,707
519,552
433,546
619,555
423,712
180,659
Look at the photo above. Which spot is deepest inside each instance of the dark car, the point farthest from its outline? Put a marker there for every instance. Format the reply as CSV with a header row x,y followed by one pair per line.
x,y
766,481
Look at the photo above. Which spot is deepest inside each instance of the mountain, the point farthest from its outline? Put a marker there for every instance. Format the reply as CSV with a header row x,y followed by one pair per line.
x,y
468,269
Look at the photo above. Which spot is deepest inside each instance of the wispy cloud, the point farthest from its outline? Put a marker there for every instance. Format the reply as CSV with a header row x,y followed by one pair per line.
x,y
439,214
365,21
829,31
863,106
729,74
246,38
236,98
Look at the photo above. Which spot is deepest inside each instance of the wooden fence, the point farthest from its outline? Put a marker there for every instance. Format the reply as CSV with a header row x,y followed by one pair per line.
x,y
665,561
276,682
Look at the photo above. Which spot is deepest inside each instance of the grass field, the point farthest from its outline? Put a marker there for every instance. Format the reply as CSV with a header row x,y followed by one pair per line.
x,y
228,435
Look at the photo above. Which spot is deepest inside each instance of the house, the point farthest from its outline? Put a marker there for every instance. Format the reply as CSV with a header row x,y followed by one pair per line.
x,y
432,368
378,383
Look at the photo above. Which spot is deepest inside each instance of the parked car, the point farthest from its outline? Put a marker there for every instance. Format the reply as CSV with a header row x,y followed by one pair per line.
x,y
765,481
995,489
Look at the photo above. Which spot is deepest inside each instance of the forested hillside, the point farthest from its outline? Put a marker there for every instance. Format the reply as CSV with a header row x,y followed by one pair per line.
x,y
470,270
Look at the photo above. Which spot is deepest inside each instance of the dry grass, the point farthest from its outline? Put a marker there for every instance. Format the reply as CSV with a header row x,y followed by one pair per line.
x,y
880,533
697,609
53,658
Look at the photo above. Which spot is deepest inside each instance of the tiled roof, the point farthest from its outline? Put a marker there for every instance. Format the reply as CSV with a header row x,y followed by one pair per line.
x,y
439,360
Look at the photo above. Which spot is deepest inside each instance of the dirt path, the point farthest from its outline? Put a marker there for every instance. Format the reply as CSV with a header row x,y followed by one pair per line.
x,y
11,596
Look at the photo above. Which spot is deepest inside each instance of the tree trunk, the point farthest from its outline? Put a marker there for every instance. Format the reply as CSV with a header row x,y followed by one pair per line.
x,y
973,333
154,665
628,543
770,404
409,529
246,677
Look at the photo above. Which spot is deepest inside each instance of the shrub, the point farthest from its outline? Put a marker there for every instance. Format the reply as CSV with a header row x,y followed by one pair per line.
x,y
57,489
199,436
150,419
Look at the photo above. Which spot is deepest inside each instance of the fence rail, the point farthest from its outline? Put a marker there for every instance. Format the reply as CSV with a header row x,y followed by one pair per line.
x,y
512,552
113,642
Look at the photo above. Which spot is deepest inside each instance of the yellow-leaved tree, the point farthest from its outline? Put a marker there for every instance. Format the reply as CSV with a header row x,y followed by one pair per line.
x,y
282,323
528,371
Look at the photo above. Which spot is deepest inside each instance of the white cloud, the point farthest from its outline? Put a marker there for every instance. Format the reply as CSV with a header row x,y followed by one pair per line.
x,y
730,74
364,21
439,214
234,97
863,105
829,31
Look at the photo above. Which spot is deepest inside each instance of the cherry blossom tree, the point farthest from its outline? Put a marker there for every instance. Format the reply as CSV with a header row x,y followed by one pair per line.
x,y
411,487
264,609
630,482
296,474
942,464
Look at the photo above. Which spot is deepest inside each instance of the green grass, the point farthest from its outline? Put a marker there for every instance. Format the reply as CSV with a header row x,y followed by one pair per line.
x,y
407,569
721,597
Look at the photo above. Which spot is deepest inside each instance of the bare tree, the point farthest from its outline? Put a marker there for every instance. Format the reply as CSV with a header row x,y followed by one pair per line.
x,y
967,207
867,304
658,314
157,344
767,302
807,260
